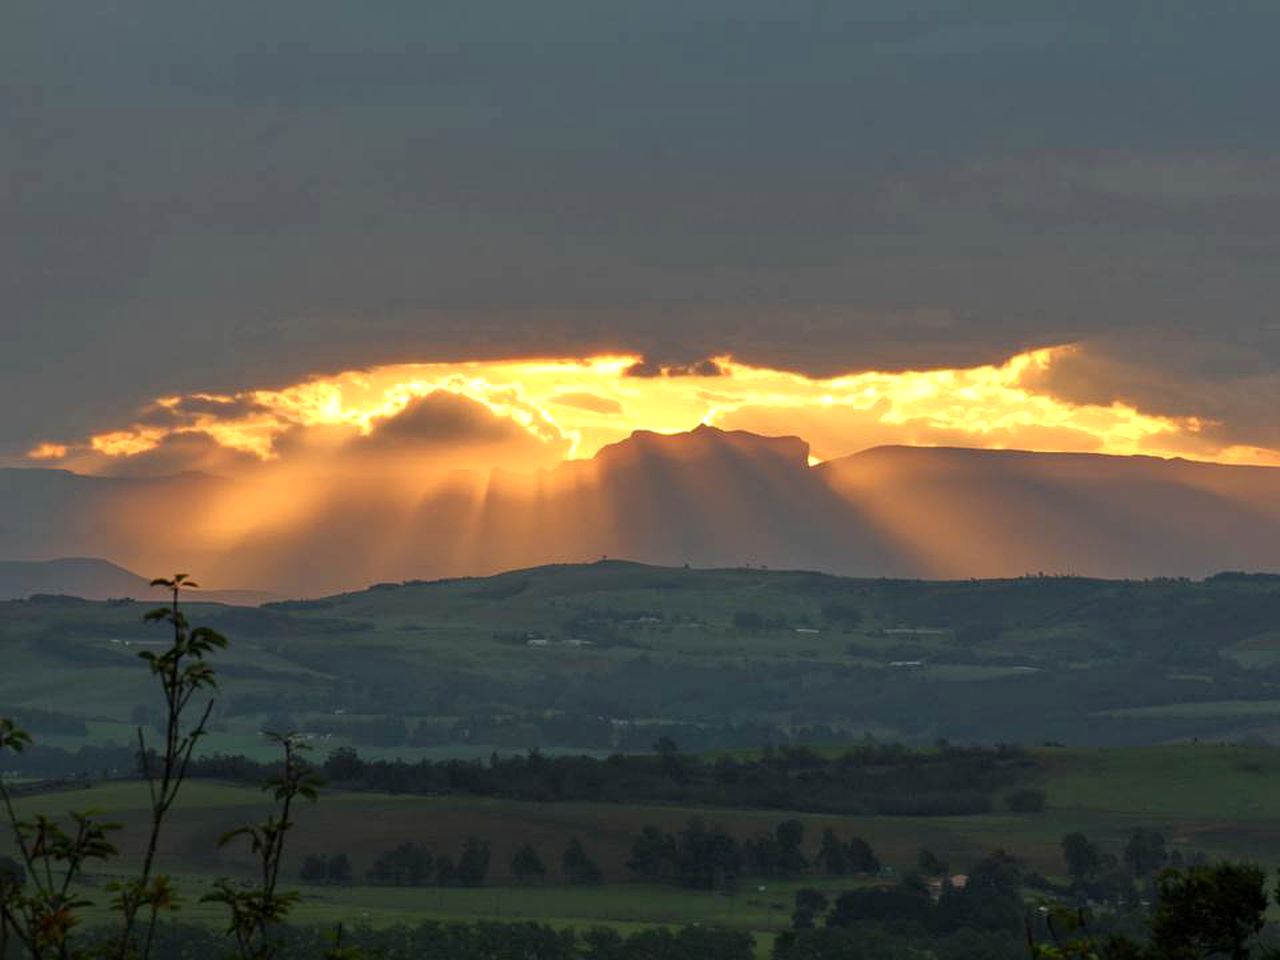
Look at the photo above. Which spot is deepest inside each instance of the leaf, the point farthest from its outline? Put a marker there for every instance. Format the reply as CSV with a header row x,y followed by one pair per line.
x,y
231,835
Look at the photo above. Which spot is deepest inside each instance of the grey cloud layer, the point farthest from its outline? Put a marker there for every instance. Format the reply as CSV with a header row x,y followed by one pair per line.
x,y
216,197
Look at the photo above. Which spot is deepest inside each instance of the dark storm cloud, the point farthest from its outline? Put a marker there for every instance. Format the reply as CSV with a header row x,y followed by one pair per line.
x,y
649,367
441,419
1230,384
236,195
186,411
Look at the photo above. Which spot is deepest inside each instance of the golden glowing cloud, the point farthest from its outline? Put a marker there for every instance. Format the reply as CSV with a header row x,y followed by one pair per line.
x,y
573,407
47,451
445,469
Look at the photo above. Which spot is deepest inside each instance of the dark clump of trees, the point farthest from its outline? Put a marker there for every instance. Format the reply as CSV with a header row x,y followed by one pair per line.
x,y
578,868
868,779
709,858
1102,876
1201,912
325,869
414,865
408,865
527,865
900,920
836,858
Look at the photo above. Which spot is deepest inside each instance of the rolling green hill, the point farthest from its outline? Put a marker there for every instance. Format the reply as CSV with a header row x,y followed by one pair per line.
x,y
612,655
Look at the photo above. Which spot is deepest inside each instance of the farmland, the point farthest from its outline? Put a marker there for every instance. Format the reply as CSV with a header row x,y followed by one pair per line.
x,y
720,669
1221,801
609,656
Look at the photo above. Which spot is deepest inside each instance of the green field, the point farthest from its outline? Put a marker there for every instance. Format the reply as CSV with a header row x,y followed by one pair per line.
x,y
1223,801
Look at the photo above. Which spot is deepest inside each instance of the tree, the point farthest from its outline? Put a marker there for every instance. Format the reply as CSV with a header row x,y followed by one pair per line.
x,y
408,865
653,854
1145,853
930,864
527,866
343,765
257,912
809,904
1208,911
705,856
997,871
577,867
861,858
473,863
790,837
832,858
336,869
672,766
778,853
340,869
446,872
315,869
905,903
1082,858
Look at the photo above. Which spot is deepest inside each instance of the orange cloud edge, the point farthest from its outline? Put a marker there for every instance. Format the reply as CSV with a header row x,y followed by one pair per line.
x,y
569,408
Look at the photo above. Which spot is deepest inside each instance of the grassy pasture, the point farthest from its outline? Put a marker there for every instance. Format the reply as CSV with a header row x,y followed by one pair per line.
x,y
1223,800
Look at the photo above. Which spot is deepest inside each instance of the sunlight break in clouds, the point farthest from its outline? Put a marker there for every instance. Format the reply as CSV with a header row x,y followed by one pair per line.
x,y
570,408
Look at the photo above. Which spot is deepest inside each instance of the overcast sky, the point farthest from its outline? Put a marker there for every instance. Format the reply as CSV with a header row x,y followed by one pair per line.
x,y
219,196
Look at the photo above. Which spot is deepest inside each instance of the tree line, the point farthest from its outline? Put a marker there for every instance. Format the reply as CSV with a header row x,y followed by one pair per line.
x,y
412,864
869,779
708,857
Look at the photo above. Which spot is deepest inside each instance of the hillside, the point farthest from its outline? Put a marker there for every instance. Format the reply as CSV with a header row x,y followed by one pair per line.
x,y
612,655
90,578
996,513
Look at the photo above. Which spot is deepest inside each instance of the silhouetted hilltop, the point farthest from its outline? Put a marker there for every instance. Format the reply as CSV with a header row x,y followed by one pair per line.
x,y
706,498
86,577
985,513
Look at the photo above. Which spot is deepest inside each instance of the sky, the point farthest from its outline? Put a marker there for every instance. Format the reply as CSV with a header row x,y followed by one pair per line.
x,y
217,210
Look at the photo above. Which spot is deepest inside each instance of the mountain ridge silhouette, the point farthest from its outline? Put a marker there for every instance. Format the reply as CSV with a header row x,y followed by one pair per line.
x,y
709,497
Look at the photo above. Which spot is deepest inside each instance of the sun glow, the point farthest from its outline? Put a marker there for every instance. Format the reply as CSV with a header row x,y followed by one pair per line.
x,y
447,469
574,407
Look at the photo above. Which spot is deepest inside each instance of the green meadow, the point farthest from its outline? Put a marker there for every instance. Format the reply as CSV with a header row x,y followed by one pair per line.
x,y
1223,801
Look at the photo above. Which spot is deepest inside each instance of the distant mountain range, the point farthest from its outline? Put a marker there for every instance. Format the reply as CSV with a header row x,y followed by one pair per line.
x,y
83,577
92,579
706,498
